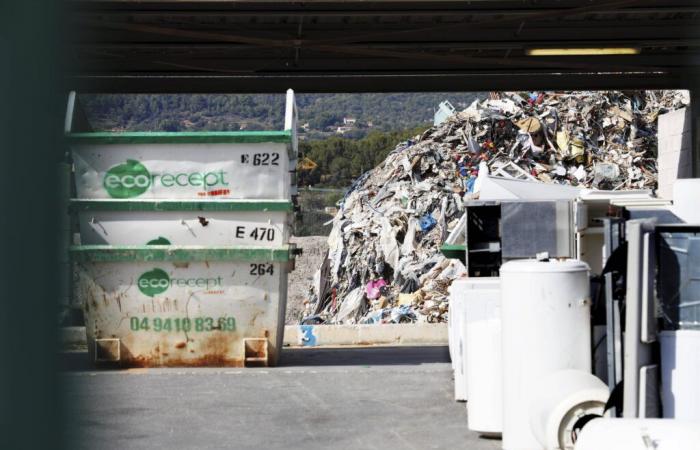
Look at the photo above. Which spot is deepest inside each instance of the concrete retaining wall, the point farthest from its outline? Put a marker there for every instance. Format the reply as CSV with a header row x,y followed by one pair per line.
x,y
388,334
329,335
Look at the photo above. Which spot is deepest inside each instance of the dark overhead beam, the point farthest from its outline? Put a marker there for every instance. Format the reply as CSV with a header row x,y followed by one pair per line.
x,y
286,7
549,14
181,46
459,9
409,82
263,64
363,52
94,32
463,45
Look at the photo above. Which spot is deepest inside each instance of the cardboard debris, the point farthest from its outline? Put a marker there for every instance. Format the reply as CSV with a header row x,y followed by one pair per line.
x,y
394,218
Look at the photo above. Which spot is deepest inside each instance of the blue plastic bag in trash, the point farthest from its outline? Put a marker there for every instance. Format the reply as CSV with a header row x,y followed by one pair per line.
x,y
470,184
402,314
427,222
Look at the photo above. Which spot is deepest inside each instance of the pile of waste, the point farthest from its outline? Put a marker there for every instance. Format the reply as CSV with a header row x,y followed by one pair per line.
x,y
384,263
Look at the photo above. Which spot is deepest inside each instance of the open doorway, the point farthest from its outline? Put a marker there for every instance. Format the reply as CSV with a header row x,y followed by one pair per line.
x,y
383,178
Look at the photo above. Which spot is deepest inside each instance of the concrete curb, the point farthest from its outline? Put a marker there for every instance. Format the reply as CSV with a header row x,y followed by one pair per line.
x,y
387,334
329,335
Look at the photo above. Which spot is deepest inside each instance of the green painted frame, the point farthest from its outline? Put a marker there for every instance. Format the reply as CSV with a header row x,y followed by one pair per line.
x,y
82,205
181,137
179,253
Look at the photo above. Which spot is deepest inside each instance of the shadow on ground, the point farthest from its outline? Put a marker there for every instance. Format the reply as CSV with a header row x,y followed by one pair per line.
x,y
315,357
364,356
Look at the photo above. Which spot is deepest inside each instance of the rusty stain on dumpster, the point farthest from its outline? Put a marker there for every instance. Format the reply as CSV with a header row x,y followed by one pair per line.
x,y
225,327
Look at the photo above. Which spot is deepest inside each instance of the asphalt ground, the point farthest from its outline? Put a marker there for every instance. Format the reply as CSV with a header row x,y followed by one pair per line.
x,y
357,398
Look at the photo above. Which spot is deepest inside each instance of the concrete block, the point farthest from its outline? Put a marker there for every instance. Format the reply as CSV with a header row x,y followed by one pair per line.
x,y
674,161
674,122
674,150
673,143
387,334
73,337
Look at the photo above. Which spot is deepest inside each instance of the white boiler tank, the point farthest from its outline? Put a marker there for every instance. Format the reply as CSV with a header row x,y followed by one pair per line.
x,y
545,315
483,356
639,434
680,374
458,298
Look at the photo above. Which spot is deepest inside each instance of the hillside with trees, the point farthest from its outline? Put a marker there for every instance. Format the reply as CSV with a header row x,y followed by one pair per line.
x,y
341,160
322,112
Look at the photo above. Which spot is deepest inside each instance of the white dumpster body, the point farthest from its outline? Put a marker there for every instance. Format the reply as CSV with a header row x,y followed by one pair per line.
x,y
159,166
135,222
183,307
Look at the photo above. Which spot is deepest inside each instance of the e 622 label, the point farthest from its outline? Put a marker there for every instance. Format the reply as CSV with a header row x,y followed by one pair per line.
x,y
182,324
261,159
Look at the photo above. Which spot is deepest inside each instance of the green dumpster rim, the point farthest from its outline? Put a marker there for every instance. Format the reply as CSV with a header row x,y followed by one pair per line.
x,y
453,251
181,137
178,253
85,205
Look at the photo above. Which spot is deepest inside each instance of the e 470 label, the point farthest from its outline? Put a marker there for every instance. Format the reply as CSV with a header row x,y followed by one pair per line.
x,y
257,233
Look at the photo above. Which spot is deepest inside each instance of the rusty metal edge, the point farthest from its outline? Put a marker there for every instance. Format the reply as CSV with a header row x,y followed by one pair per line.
x,y
327,335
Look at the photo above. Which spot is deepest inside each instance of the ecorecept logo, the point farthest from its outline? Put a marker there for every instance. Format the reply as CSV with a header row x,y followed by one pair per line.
x,y
132,179
154,282
157,281
127,180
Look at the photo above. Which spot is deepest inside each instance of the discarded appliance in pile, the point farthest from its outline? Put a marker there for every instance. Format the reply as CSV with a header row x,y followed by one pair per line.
x,y
384,264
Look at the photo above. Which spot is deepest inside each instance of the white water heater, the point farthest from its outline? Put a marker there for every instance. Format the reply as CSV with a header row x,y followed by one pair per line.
x,y
639,434
545,311
680,374
483,356
686,195
459,293
562,404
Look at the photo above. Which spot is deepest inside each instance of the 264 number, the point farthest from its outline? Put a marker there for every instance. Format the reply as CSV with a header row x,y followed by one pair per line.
x,y
261,269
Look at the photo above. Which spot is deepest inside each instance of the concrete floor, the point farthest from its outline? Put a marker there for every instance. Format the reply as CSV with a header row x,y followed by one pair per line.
x,y
359,398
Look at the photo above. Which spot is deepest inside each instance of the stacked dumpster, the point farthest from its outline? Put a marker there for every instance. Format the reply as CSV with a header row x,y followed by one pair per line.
x,y
183,248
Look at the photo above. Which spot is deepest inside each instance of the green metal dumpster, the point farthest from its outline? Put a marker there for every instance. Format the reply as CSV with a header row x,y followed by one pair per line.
x,y
183,247
183,306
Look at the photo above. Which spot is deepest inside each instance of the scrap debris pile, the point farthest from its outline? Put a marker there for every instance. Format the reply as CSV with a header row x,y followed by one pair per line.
x,y
384,263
